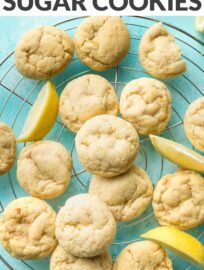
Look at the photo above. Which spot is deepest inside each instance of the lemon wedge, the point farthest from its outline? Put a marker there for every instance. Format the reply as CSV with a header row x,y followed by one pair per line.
x,y
42,115
199,24
178,153
179,242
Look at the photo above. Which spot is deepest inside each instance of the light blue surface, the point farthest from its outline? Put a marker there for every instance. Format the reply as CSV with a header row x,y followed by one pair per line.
x,y
13,110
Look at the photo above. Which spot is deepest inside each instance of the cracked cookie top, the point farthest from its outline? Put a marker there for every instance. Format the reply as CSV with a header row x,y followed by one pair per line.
x,y
194,125
44,169
159,54
146,103
178,200
86,97
60,259
143,255
43,52
127,195
7,148
85,227
107,145
102,42
27,228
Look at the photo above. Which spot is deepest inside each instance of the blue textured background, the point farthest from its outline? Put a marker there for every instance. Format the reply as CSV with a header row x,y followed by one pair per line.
x,y
17,94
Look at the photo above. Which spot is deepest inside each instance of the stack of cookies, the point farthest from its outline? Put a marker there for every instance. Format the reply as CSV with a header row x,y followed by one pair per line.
x,y
107,147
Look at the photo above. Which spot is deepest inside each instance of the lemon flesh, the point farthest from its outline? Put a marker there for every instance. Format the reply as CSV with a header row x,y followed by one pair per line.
x,y
179,154
179,242
199,24
42,115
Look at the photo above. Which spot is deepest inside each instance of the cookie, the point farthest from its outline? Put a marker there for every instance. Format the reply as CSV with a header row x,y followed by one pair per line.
x,y
102,42
44,169
178,200
143,255
43,52
27,228
86,97
159,54
107,145
194,125
146,103
61,260
126,195
7,148
85,227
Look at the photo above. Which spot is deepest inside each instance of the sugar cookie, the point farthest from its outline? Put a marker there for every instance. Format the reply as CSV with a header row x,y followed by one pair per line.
x,y
194,125
61,260
146,103
27,228
178,200
86,97
143,255
7,148
43,52
127,195
102,42
107,145
44,169
85,227
159,54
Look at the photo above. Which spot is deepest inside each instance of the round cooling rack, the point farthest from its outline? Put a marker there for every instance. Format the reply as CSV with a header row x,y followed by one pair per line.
x,y
17,94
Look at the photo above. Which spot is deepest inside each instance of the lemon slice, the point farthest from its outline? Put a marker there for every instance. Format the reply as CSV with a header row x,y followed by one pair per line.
x,y
199,24
42,115
178,153
179,242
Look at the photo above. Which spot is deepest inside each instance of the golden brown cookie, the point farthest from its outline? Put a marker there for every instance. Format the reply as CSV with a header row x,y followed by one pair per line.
x,y
194,125
143,255
27,228
178,200
127,195
43,52
107,145
159,54
44,169
102,42
7,148
61,260
85,227
86,97
146,103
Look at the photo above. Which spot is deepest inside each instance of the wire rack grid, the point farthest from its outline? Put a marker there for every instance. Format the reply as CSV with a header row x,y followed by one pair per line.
x,y
17,95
